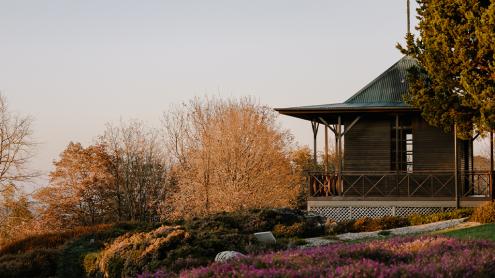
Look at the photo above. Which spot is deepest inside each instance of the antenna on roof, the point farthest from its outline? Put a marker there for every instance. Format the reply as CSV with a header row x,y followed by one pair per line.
x,y
408,17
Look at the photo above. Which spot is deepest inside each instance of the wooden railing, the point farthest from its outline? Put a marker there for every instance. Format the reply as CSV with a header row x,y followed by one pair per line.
x,y
393,184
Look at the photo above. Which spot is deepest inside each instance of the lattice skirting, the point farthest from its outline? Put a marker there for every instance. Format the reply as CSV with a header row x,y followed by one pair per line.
x,y
348,213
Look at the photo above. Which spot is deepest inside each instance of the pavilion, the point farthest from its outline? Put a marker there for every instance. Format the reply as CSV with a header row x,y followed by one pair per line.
x,y
390,160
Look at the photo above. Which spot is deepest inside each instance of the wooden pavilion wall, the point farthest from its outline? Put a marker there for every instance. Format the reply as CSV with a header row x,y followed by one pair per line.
x,y
367,148
367,145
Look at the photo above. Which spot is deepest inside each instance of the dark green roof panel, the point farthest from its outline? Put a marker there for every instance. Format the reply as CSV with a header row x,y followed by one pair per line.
x,y
387,89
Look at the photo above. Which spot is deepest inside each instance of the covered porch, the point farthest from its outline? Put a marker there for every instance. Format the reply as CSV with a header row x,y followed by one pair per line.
x,y
388,160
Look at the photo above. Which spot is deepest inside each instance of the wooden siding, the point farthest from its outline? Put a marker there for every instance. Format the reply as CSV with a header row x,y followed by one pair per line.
x,y
367,145
433,149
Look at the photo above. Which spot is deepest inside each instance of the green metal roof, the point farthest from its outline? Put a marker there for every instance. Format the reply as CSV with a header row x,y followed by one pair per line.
x,y
389,88
383,93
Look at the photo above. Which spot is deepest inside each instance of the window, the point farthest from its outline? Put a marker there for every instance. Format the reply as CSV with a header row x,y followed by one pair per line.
x,y
401,146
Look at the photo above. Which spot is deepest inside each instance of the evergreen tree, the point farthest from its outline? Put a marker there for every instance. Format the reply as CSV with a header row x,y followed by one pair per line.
x,y
456,52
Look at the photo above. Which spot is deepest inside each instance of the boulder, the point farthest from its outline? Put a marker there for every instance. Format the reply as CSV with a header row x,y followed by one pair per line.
x,y
227,255
265,237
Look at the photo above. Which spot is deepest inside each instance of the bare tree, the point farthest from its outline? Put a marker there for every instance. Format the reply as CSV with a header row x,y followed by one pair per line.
x,y
16,146
229,155
139,169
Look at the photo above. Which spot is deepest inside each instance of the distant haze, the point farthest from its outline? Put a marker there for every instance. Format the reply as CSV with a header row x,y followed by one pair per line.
x,y
75,65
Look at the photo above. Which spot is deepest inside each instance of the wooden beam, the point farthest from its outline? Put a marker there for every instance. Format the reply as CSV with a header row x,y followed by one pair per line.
x,y
397,143
333,128
339,132
390,202
323,121
315,126
492,189
326,124
476,136
351,125
456,166
326,148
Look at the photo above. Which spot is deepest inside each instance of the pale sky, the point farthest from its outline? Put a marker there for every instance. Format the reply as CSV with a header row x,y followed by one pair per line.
x,y
76,65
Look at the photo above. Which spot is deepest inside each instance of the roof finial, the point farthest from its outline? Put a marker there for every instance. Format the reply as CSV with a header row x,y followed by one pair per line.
x,y
408,17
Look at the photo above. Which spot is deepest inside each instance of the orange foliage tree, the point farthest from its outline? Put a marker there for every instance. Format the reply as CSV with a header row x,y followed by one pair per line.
x,y
81,189
229,155
16,218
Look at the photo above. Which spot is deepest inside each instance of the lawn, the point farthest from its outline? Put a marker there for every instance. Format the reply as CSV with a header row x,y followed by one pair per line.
x,y
486,231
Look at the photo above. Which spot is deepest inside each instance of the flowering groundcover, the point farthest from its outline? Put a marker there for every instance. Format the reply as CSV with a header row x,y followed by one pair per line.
x,y
427,256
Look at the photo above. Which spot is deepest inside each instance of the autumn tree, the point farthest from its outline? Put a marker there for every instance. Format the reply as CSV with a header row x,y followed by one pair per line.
x,y
81,189
16,217
229,155
455,82
302,161
16,146
139,167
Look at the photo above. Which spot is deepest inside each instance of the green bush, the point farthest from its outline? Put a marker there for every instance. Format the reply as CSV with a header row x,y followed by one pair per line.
x,y
484,213
34,263
258,220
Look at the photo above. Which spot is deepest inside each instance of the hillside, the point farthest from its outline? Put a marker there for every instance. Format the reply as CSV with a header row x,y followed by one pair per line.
x,y
127,249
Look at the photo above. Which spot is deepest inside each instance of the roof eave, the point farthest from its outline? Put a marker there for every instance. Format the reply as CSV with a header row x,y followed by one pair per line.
x,y
295,110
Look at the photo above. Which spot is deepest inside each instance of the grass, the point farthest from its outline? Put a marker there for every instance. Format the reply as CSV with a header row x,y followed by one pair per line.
x,y
486,231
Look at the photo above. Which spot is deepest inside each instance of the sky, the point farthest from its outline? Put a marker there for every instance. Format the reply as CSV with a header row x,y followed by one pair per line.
x,y
74,66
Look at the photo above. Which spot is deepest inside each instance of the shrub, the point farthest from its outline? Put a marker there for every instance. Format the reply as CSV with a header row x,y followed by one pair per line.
x,y
34,263
258,220
343,227
428,256
294,230
131,253
126,249
59,253
367,224
484,213
390,222
441,216
384,233
90,263
54,239
363,224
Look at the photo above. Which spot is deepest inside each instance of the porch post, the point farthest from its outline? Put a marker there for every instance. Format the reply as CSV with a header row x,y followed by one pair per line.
x,y
339,152
314,126
326,149
456,166
491,167
397,152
